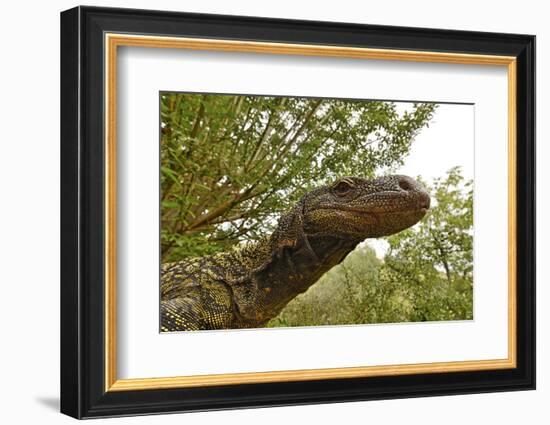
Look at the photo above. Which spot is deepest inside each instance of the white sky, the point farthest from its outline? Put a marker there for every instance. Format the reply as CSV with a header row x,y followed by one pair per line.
x,y
446,143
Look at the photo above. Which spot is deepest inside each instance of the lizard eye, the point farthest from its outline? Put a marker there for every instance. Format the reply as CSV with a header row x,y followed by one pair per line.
x,y
342,187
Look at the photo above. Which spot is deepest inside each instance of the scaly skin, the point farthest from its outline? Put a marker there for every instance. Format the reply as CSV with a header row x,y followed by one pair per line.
x,y
249,285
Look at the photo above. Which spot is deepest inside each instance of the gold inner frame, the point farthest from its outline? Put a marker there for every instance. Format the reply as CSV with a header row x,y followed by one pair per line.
x,y
113,41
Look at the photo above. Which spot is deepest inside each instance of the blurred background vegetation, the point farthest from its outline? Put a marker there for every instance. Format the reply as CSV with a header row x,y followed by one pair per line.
x,y
230,165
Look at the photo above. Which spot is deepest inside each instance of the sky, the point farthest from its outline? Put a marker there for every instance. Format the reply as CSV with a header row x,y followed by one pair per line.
x,y
446,143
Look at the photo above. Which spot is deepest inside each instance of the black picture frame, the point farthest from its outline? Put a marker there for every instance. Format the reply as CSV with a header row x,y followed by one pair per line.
x,y
83,392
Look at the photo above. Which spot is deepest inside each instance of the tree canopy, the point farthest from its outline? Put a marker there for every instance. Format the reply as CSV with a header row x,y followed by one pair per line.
x,y
231,164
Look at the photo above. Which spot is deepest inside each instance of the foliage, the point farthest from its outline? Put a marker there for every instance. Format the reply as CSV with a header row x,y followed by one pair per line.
x,y
231,164
434,259
426,275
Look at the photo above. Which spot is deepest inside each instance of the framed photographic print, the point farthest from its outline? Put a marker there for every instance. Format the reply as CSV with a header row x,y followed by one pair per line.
x,y
261,212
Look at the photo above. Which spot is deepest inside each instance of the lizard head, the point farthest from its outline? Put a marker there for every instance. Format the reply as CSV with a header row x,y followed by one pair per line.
x,y
355,208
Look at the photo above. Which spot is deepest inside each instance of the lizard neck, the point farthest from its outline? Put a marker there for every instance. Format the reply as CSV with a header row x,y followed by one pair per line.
x,y
283,270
